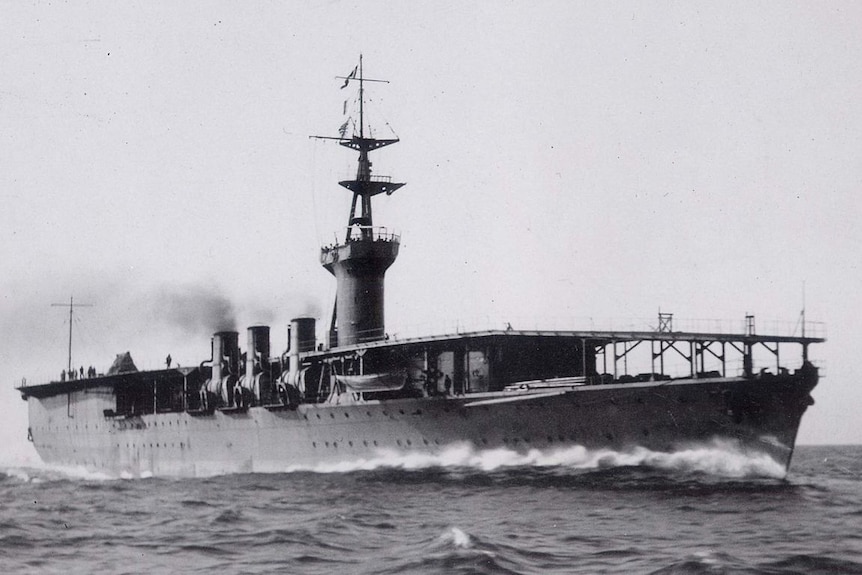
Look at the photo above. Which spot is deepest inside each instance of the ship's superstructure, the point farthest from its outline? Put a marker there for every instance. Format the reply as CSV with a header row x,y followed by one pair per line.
x,y
360,391
359,263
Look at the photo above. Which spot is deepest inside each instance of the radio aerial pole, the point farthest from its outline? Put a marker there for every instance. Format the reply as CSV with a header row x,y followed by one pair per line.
x,y
72,305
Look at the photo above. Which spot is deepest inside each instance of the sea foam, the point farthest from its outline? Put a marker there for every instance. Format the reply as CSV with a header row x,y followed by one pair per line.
x,y
719,458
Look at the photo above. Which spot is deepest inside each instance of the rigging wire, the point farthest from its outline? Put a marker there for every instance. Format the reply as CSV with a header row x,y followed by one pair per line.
x,y
378,112
314,191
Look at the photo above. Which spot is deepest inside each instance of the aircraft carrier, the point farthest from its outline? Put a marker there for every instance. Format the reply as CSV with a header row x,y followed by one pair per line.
x,y
357,392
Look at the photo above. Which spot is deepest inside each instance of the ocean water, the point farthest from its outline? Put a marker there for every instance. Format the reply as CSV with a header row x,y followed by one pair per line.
x,y
705,510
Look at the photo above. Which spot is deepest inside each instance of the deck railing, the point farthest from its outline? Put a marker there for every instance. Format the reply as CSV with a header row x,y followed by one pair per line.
x,y
358,233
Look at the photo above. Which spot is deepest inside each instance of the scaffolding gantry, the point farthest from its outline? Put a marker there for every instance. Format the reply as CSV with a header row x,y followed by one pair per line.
x,y
693,347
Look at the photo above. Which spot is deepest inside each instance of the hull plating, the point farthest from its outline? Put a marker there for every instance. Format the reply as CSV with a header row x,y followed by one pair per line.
x,y
758,415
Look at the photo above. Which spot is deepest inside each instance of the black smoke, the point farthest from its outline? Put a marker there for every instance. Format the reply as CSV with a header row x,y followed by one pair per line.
x,y
194,309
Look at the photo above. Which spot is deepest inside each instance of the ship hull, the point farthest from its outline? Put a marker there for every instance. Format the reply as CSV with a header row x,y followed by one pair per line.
x,y
758,415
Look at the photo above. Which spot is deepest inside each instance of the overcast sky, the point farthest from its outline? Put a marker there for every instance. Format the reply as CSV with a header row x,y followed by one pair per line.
x,y
579,163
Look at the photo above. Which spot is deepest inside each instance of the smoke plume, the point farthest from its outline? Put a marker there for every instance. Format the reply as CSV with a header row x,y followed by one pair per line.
x,y
195,309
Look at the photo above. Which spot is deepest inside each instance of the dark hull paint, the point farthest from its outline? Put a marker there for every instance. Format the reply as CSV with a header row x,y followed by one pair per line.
x,y
759,415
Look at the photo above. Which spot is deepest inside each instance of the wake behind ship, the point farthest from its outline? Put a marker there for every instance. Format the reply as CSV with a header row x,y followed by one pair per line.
x,y
360,392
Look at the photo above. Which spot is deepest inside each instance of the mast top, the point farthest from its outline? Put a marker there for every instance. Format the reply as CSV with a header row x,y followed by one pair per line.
x,y
358,142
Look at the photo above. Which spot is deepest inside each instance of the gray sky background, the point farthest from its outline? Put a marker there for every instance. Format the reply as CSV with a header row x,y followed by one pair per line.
x,y
582,162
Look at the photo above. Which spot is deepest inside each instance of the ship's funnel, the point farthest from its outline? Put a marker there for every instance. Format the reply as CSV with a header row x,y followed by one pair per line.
x,y
302,338
302,334
257,350
225,354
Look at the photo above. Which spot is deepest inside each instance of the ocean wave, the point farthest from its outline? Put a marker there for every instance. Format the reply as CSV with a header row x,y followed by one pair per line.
x,y
562,511
452,551
457,538
717,458
709,562
40,473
